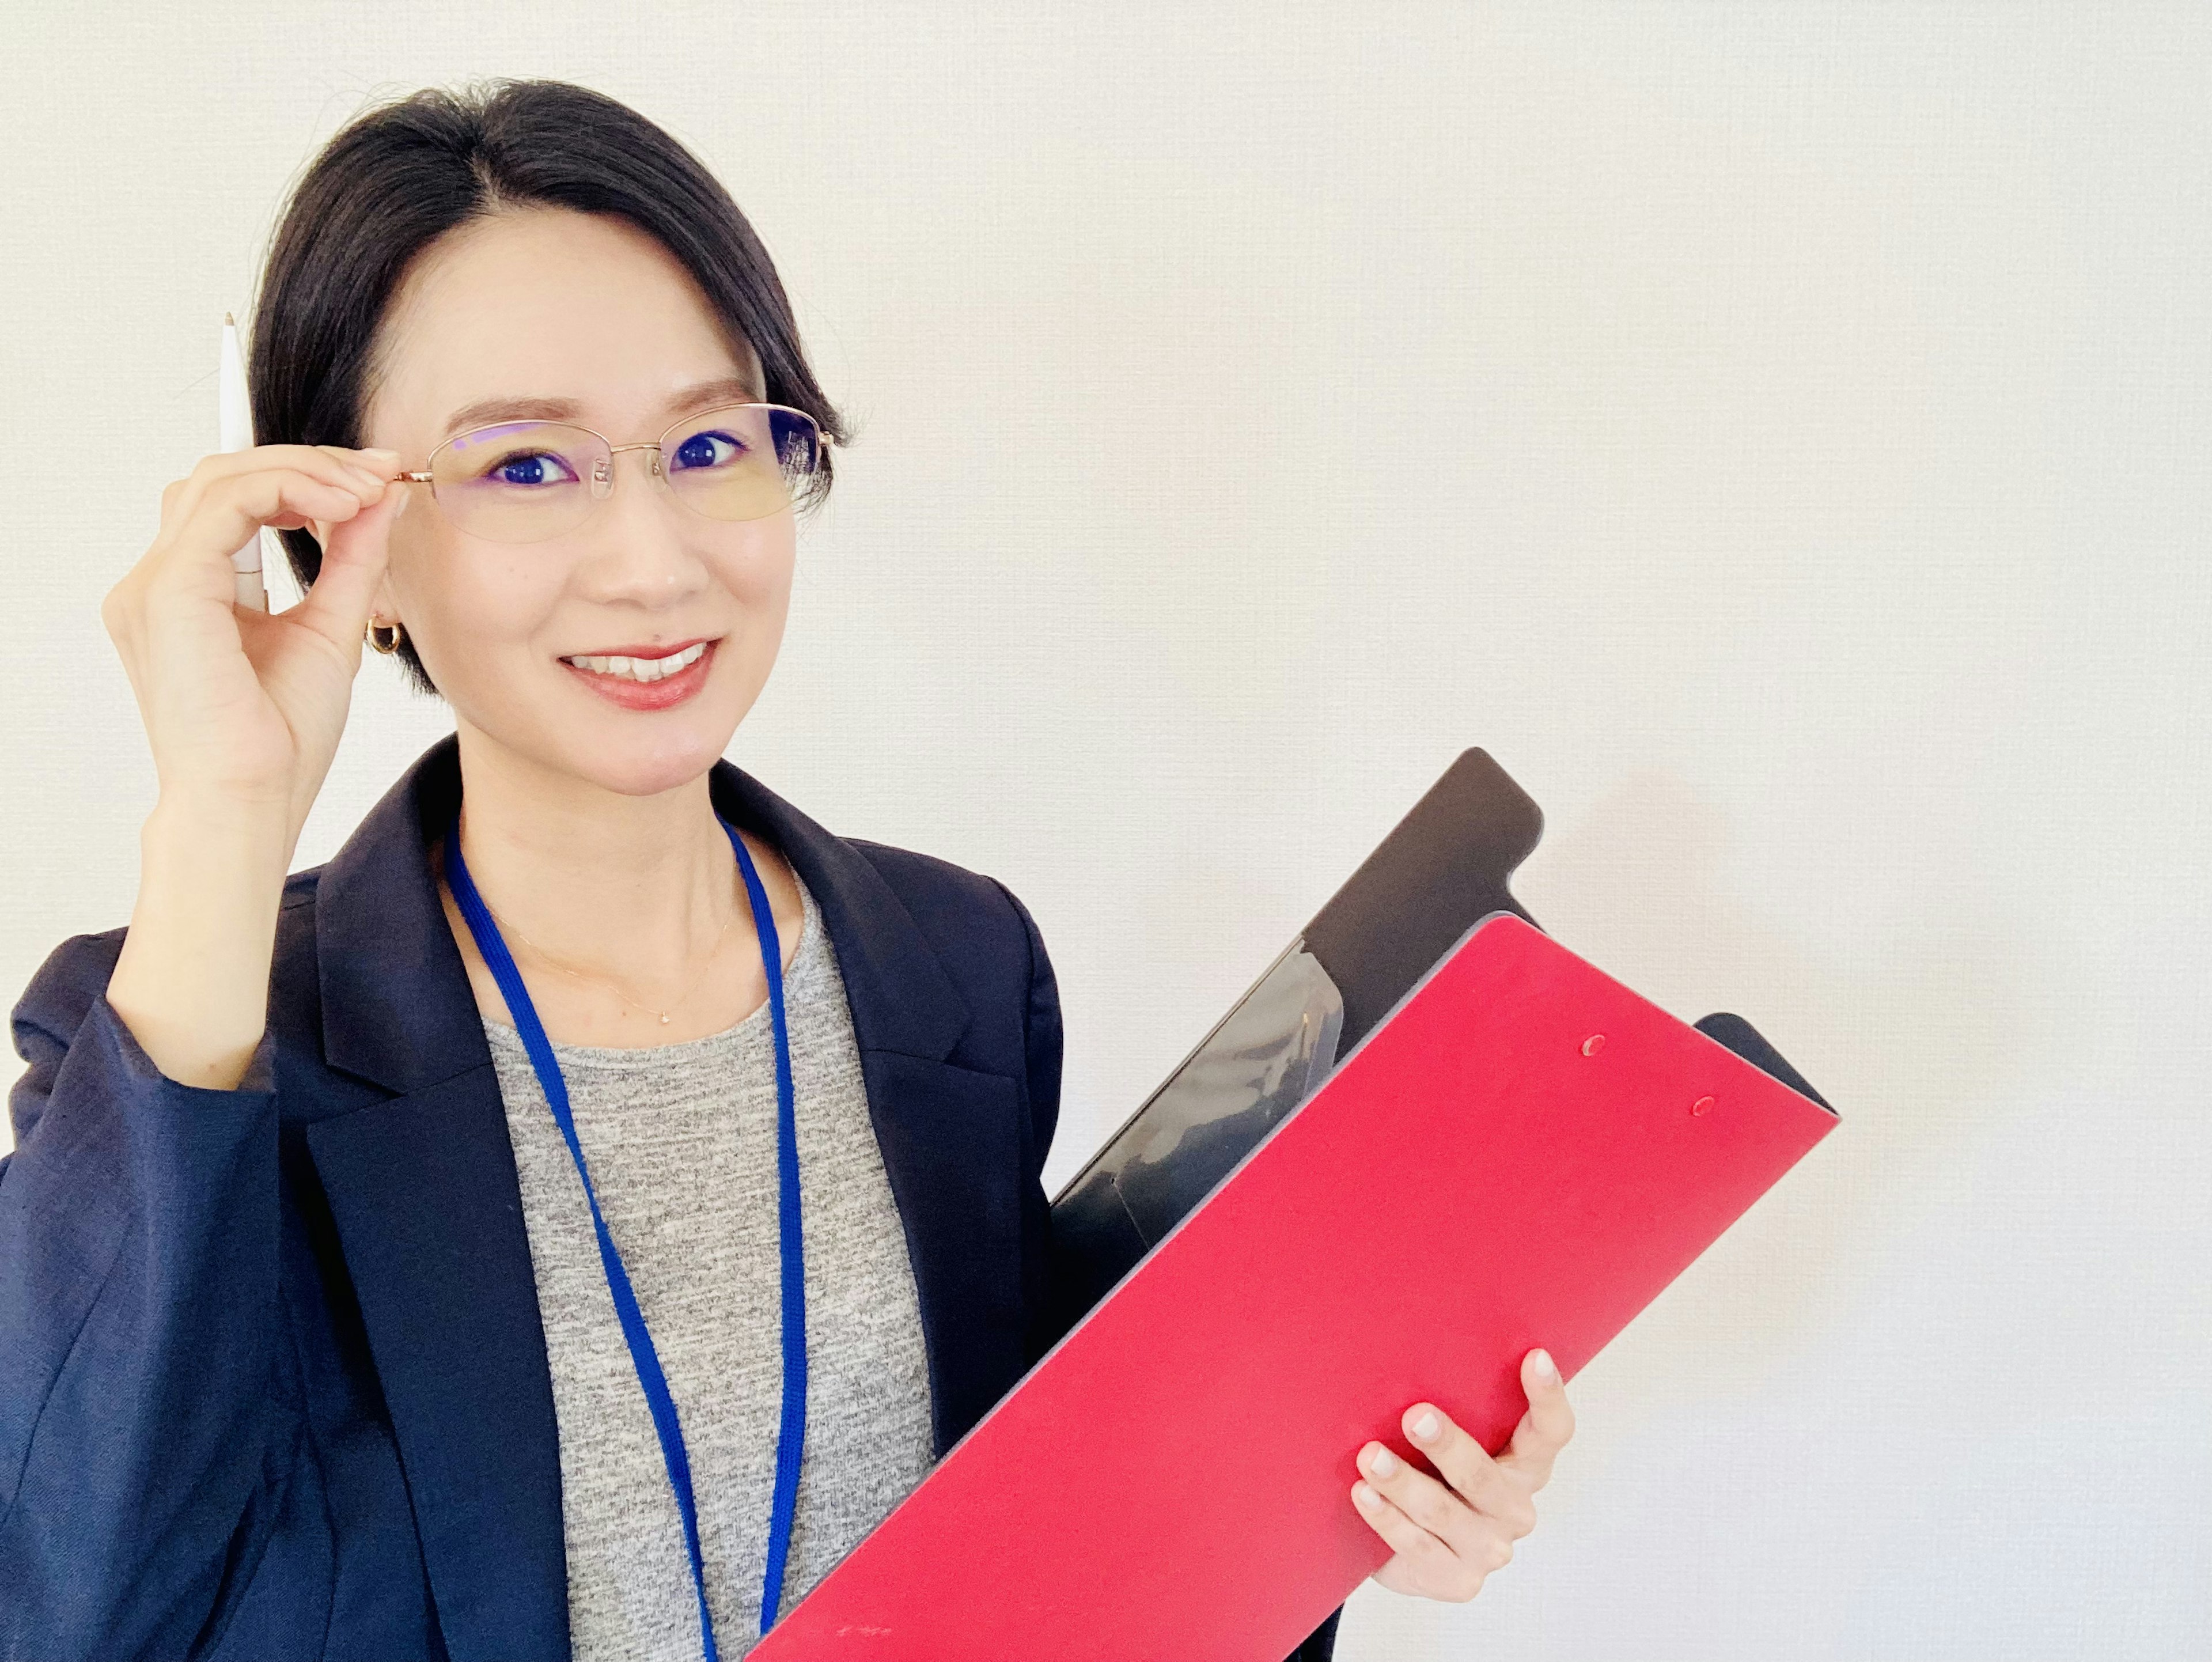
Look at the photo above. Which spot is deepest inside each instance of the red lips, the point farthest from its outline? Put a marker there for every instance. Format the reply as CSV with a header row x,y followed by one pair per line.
x,y
667,693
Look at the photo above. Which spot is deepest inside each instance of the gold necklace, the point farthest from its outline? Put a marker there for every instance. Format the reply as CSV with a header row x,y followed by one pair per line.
x,y
554,963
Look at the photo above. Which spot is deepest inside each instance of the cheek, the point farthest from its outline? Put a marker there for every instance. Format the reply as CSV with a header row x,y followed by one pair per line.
x,y
472,608
757,568
757,576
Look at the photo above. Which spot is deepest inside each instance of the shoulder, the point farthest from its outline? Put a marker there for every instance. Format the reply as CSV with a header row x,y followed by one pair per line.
x,y
75,974
59,996
988,942
51,1014
958,909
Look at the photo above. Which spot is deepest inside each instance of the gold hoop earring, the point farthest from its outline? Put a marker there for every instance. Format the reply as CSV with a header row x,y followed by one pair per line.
x,y
377,641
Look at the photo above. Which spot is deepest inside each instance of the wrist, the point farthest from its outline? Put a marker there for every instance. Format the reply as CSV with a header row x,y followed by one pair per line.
x,y
217,837
193,981
218,808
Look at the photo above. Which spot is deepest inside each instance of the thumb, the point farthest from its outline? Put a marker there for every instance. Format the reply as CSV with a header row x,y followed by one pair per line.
x,y
338,607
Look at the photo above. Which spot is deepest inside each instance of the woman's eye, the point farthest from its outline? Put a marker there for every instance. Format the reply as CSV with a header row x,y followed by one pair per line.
x,y
711,449
537,467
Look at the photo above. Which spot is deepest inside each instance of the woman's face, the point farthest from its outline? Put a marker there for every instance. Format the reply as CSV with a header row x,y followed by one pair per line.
x,y
547,304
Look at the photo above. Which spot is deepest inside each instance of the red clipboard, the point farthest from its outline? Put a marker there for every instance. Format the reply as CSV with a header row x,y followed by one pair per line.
x,y
1524,1153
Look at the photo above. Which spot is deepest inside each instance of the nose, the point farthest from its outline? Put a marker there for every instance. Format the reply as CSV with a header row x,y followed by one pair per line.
x,y
643,546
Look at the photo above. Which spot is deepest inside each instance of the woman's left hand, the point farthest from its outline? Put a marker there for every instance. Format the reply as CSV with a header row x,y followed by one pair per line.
x,y
1448,1539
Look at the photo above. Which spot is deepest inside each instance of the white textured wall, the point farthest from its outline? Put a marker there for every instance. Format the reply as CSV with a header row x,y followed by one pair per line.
x,y
1778,433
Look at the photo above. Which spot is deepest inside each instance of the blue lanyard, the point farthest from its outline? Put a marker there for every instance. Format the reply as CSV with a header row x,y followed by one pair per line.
x,y
791,1435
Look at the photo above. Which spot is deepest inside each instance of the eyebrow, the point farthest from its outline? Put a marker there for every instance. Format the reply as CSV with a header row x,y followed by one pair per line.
x,y
730,389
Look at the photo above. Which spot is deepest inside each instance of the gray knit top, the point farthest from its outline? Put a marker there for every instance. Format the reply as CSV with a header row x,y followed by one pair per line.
x,y
681,1143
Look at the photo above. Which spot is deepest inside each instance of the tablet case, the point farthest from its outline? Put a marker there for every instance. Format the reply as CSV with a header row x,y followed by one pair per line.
x,y
1523,1153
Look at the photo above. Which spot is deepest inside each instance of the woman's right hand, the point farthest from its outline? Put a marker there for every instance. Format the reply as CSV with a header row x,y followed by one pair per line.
x,y
244,710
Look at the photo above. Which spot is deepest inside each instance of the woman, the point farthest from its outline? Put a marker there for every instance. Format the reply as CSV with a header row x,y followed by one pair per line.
x,y
401,1259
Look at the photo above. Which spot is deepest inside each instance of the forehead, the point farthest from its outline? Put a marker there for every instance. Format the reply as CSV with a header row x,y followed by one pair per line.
x,y
544,303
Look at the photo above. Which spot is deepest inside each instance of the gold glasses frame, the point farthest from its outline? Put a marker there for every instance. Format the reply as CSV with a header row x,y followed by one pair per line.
x,y
601,485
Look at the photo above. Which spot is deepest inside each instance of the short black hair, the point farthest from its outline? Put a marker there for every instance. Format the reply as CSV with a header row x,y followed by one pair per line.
x,y
402,174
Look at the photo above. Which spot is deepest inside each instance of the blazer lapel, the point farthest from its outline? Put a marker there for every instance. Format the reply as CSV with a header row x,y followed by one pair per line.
x,y
428,1209
950,1135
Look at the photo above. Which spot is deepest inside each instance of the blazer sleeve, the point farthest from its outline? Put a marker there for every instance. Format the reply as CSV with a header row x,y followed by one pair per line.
x,y
1040,1046
1044,1044
138,1322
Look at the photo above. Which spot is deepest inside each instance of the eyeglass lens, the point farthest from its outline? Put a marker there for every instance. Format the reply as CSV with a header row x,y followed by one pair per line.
x,y
525,482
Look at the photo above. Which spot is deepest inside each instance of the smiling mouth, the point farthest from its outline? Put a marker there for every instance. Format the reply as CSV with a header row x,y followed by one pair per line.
x,y
640,670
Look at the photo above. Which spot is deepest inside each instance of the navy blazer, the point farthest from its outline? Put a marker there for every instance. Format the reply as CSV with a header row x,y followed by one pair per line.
x,y
272,1380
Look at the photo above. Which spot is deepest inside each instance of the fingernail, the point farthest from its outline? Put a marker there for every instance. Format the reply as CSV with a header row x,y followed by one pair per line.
x,y
394,455
1364,1495
1427,1427
1382,1464
1546,1368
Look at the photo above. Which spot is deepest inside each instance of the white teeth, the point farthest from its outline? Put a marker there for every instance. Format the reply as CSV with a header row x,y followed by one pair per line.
x,y
641,669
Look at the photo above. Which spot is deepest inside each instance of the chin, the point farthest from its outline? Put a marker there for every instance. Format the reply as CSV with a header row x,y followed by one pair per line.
x,y
657,755
623,745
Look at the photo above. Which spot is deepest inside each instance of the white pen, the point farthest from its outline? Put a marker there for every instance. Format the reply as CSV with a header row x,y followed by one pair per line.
x,y
234,411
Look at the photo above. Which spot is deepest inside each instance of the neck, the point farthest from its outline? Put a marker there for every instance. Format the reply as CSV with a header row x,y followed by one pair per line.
x,y
635,886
